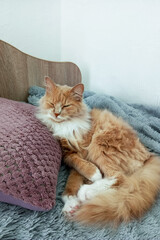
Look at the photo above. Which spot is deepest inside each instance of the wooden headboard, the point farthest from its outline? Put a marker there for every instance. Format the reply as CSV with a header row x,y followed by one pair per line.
x,y
19,71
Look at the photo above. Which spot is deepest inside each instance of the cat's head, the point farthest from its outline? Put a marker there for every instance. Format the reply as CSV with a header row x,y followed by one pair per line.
x,y
62,103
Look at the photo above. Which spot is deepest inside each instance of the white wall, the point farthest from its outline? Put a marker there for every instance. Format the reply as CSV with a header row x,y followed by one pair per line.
x,y
116,44
33,26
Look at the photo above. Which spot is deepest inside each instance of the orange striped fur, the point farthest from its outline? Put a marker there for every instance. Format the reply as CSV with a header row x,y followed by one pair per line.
x,y
107,147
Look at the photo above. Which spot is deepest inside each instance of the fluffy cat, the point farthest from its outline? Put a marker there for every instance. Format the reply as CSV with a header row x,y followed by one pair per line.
x,y
103,150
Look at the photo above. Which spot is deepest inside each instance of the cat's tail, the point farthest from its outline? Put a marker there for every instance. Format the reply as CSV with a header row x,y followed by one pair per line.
x,y
131,200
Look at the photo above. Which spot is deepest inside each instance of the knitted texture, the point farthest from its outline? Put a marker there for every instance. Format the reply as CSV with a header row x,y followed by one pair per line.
x,y
30,157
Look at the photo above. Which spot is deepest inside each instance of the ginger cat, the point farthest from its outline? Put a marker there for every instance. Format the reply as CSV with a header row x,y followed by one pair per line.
x,y
103,150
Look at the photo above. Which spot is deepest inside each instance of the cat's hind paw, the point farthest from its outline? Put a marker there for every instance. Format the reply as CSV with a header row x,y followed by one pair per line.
x,y
71,205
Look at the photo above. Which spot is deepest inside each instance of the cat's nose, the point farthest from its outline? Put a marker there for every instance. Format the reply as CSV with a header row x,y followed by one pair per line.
x,y
57,114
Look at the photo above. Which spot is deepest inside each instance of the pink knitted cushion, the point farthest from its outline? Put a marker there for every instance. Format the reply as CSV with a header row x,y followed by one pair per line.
x,y
30,158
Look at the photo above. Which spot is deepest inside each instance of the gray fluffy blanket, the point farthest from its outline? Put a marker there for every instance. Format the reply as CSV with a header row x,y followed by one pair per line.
x,y
18,223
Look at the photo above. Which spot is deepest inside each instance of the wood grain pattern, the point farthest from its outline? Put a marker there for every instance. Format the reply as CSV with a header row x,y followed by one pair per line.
x,y
19,71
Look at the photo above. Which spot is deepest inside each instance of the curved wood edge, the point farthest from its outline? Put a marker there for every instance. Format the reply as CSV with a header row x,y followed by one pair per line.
x,y
19,71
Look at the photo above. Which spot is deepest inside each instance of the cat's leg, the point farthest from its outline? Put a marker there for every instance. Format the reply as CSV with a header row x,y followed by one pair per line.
x,y
113,177
110,170
84,167
70,199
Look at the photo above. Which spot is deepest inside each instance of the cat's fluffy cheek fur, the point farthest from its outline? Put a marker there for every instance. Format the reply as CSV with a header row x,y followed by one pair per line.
x,y
72,129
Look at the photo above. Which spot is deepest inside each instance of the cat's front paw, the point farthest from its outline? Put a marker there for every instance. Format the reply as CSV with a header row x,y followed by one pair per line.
x,y
87,192
96,176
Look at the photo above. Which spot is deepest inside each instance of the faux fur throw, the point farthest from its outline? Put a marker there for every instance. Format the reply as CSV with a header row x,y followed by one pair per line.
x,y
18,223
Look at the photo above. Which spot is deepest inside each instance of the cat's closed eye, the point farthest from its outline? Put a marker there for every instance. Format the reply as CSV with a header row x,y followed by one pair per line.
x,y
52,104
65,106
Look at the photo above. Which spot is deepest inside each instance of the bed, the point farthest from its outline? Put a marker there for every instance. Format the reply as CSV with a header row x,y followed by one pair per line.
x,y
21,80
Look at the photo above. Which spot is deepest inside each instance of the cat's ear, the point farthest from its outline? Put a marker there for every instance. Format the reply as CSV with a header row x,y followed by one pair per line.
x,y
77,91
49,84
